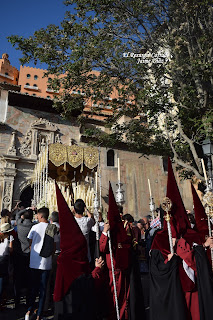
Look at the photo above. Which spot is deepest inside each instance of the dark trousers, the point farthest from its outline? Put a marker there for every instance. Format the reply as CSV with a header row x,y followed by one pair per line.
x,y
39,280
21,275
51,284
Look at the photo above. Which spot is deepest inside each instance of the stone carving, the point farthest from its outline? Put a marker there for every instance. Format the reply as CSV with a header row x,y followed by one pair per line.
x,y
6,199
57,138
44,124
25,148
7,195
12,149
10,165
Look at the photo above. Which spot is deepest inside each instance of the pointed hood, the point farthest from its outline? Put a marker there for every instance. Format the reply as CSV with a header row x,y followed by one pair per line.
x,y
72,261
200,215
117,231
178,210
180,225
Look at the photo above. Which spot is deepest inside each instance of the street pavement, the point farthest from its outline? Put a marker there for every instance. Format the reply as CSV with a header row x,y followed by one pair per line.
x,y
9,311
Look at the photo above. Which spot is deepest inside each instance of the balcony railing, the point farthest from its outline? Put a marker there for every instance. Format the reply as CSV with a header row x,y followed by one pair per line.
x,y
26,86
6,76
52,90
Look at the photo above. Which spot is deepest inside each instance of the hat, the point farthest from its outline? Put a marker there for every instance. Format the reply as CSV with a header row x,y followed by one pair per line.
x,y
5,227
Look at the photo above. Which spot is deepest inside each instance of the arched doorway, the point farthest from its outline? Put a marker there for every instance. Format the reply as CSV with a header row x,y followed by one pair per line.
x,y
27,196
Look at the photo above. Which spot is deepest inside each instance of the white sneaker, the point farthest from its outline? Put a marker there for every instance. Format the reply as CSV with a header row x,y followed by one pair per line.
x,y
27,317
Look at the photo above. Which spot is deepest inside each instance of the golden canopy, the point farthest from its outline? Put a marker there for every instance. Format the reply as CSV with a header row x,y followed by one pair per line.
x,y
73,155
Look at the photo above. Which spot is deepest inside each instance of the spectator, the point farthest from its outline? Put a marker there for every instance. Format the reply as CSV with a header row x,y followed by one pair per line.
x,y
22,253
140,225
5,216
6,247
134,230
40,266
54,219
85,223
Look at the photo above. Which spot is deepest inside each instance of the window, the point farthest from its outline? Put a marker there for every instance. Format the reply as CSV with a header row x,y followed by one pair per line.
x,y
79,92
110,158
35,77
28,76
6,74
27,84
35,85
165,164
49,79
48,97
34,95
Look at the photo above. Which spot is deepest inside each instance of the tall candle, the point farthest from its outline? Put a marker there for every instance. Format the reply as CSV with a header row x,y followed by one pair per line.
x,y
204,171
96,181
150,192
119,170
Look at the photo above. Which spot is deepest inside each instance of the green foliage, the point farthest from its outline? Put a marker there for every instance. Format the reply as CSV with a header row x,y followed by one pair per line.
x,y
104,35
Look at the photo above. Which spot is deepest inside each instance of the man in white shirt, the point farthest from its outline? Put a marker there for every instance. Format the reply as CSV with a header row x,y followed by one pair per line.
x,y
39,266
85,223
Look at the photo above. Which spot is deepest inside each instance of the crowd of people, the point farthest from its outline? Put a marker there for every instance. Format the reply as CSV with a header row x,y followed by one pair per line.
x,y
134,274
32,265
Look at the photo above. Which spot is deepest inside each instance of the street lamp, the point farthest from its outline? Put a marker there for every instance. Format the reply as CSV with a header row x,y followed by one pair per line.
x,y
208,151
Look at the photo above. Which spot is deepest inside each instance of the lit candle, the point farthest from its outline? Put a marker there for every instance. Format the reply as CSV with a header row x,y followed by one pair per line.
x,y
150,192
119,170
204,171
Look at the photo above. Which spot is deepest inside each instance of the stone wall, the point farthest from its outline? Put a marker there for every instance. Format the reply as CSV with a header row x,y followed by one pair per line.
x,y
19,151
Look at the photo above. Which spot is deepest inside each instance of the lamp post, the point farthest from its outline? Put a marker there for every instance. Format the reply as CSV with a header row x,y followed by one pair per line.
x,y
207,146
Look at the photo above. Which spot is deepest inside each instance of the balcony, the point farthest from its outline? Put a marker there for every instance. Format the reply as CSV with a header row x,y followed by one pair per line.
x,y
28,87
50,90
6,76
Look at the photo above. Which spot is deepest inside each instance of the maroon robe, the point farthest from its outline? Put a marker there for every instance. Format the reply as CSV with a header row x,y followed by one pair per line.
x,y
122,276
180,228
121,249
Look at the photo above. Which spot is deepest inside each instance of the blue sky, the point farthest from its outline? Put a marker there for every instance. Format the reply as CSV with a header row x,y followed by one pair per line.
x,y
23,17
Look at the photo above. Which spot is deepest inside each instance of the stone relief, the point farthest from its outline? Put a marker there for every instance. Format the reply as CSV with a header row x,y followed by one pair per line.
x,y
25,149
44,124
7,195
41,131
10,165
12,149
58,138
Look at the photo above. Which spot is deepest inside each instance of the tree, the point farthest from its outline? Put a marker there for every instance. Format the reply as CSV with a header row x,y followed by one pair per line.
x,y
158,56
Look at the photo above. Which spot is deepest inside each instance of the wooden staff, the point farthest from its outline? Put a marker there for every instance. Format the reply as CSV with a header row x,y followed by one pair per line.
x,y
166,206
113,277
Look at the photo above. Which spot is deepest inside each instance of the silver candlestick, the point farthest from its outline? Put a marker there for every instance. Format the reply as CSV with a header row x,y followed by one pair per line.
x,y
119,194
152,207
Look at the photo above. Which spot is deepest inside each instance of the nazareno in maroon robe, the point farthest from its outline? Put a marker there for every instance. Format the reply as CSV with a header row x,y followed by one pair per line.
x,y
180,230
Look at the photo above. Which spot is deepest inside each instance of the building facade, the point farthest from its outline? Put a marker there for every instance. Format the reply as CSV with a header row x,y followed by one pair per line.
x,y
27,121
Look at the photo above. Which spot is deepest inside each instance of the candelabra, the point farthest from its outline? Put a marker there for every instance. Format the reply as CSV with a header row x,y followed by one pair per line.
x,y
152,207
119,194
